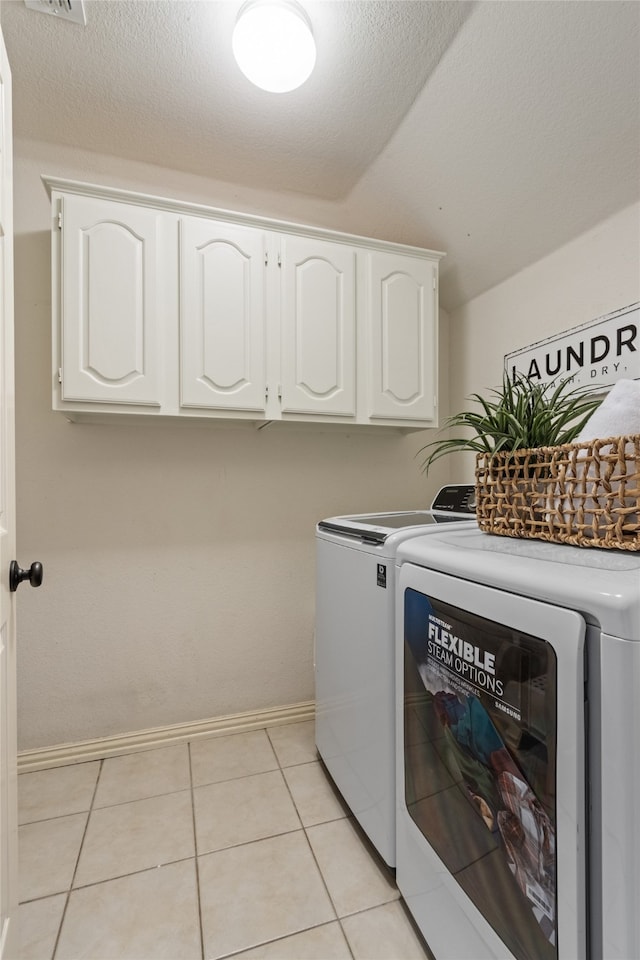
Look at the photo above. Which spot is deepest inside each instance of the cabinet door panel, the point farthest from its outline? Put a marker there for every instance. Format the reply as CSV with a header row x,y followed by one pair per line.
x,y
403,338
109,302
318,327
222,315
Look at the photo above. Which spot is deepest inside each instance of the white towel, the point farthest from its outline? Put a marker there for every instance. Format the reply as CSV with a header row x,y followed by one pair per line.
x,y
617,416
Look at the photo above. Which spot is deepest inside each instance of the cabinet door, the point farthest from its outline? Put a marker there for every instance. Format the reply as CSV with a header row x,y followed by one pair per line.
x,y
222,315
109,301
403,352
318,327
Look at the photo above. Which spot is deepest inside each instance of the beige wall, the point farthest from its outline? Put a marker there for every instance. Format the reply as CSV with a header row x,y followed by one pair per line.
x,y
178,557
593,275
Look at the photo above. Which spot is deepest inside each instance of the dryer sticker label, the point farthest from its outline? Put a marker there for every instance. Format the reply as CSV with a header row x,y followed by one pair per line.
x,y
480,735
464,658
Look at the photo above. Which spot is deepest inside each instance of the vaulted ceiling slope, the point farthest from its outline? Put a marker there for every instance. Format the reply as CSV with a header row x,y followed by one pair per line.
x,y
495,131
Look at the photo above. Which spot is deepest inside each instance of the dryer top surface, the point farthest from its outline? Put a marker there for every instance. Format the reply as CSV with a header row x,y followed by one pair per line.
x,y
603,585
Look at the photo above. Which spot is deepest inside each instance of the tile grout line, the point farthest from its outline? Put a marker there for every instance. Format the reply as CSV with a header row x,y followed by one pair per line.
x,y
119,876
286,936
282,767
304,830
306,836
273,749
315,859
384,868
153,796
108,806
166,863
281,770
195,850
245,776
331,900
75,869
194,786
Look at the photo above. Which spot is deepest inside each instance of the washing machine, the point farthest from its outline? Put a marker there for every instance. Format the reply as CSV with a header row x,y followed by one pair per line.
x,y
518,747
354,651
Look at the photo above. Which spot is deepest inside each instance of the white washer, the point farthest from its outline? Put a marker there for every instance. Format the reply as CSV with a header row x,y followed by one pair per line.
x,y
518,747
354,652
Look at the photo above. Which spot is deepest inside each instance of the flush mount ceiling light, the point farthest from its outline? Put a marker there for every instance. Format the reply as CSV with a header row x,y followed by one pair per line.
x,y
273,44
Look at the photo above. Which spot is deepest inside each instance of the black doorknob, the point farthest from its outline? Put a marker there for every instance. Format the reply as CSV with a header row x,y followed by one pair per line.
x,y
16,575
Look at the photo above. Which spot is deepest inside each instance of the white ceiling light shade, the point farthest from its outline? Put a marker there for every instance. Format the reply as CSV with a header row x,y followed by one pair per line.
x,y
273,44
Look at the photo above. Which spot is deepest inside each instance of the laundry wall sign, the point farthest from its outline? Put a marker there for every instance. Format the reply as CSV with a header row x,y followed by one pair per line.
x,y
598,353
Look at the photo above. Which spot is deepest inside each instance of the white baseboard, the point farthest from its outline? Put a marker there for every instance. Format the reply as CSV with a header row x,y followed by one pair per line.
x,y
83,750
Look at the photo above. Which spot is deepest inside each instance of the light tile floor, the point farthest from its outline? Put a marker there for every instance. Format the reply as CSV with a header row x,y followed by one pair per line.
x,y
236,846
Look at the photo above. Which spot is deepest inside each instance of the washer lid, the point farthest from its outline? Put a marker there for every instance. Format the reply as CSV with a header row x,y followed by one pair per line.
x,y
376,527
455,501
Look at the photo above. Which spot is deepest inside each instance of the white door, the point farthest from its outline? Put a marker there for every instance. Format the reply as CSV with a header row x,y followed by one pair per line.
x,y
318,329
8,814
222,315
110,299
403,353
490,747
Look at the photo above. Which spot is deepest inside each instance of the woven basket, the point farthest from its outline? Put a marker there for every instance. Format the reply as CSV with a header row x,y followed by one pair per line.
x,y
585,494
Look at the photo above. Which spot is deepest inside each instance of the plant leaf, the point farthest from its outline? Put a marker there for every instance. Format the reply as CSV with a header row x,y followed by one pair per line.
x,y
518,415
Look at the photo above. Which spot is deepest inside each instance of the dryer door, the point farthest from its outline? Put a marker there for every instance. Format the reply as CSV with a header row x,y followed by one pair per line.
x,y
491,730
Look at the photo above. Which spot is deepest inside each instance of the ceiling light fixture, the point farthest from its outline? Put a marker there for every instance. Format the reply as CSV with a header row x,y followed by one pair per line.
x,y
273,44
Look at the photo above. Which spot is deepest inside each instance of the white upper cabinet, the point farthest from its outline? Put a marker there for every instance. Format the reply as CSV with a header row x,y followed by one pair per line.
x,y
174,309
318,327
109,309
222,315
403,332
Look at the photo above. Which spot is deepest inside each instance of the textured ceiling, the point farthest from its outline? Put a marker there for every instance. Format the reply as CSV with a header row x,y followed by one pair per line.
x,y
495,131
158,79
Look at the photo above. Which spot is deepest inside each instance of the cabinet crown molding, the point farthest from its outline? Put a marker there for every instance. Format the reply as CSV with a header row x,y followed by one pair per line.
x,y
59,185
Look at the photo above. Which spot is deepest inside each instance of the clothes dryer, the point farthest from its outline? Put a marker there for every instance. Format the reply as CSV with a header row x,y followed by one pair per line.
x,y
354,652
518,747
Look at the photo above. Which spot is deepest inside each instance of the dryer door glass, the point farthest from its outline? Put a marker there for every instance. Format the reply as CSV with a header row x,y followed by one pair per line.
x,y
480,715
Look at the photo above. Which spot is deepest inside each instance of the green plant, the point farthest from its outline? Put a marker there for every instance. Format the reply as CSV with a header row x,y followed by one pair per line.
x,y
520,415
